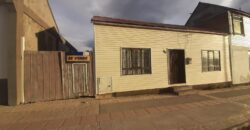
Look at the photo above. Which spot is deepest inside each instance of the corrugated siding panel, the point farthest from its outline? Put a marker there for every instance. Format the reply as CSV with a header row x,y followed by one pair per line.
x,y
109,41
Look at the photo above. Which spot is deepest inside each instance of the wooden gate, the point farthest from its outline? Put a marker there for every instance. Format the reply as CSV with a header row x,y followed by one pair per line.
x,y
47,77
76,81
80,79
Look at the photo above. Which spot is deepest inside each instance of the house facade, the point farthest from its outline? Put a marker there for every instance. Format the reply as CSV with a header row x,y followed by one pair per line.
x,y
26,25
237,24
7,51
136,56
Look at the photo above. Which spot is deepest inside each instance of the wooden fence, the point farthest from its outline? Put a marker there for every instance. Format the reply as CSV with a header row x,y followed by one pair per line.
x,y
47,77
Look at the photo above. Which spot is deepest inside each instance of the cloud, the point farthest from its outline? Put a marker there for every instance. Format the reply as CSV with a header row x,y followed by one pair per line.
x,y
73,16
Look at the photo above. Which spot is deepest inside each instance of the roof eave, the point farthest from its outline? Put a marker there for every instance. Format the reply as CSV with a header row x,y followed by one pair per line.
x,y
157,28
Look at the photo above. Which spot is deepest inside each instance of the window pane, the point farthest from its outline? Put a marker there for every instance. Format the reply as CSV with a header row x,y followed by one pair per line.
x,y
139,61
217,60
237,27
204,61
133,60
136,61
143,61
147,61
210,60
238,24
124,62
249,59
129,61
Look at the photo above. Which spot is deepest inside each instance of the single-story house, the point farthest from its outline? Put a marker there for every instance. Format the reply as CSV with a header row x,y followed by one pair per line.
x,y
135,56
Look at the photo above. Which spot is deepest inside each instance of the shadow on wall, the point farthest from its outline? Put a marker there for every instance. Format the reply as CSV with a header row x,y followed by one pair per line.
x,y
3,92
50,40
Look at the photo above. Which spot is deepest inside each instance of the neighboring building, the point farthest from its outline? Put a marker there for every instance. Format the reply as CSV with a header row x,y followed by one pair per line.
x,y
51,40
135,56
231,21
25,25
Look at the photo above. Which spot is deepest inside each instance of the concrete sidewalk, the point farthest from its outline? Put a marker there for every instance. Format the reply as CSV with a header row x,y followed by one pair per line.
x,y
208,110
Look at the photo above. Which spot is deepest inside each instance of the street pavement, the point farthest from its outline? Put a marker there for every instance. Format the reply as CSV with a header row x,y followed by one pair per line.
x,y
219,109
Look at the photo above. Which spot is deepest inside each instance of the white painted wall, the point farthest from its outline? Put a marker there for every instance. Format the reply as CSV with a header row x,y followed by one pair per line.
x,y
240,63
7,39
239,54
110,39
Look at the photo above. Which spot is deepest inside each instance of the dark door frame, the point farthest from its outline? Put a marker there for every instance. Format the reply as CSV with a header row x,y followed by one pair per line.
x,y
169,66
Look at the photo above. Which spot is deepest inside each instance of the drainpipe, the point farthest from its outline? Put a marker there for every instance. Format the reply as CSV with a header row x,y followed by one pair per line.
x,y
230,56
230,44
22,69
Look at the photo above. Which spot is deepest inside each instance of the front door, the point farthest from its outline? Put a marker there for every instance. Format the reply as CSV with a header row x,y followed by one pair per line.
x,y
177,71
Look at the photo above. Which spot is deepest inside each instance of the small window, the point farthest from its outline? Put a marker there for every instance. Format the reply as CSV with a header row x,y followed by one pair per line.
x,y
136,61
238,25
211,61
249,59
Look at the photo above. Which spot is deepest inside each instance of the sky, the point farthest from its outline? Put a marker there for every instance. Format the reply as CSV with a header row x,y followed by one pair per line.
x,y
73,17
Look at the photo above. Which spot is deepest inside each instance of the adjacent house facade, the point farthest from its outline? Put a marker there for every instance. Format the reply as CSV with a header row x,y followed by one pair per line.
x,y
136,56
237,24
26,25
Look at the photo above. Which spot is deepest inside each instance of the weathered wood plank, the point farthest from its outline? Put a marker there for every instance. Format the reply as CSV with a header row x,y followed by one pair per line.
x,y
40,90
46,76
52,77
58,77
34,78
65,81
76,79
27,76
70,79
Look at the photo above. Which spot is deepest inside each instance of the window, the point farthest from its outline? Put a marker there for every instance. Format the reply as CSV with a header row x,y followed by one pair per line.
x,y
136,61
249,59
238,25
210,61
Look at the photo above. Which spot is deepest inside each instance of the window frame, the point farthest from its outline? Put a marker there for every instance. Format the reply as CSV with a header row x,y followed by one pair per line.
x,y
248,53
143,69
240,18
215,69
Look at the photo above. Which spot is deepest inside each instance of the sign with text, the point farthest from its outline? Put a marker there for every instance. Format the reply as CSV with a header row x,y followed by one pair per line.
x,y
76,58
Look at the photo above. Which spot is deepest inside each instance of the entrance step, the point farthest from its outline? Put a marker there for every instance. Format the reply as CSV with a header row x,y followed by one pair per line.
x,y
184,90
187,92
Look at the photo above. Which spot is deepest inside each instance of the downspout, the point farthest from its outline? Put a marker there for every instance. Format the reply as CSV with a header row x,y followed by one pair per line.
x,y
230,44
22,70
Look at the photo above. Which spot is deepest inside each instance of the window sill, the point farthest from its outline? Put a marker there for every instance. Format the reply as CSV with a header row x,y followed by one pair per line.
x,y
238,34
136,75
211,71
